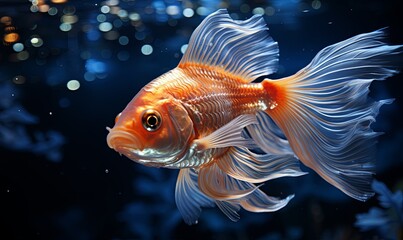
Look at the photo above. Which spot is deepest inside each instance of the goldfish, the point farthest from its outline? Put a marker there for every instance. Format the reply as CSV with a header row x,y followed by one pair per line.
x,y
228,134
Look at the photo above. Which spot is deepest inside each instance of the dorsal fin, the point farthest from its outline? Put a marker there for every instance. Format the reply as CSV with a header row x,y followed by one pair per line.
x,y
243,48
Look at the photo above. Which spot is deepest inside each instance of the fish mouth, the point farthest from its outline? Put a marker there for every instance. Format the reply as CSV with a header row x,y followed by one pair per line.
x,y
122,141
129,145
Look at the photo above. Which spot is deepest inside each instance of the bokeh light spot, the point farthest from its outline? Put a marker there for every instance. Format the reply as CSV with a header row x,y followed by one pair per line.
x,y
105,9
146,49
117,23
52,11
11,37
258,10
123,40
115,10
140,36
112,2
89,76
24,55
68,18
188,12
183,48
101,18
65,27
18,47
36,41
172,10
270,11
234,16
202,11
34,8
105,26
95,66
316,4
44,8
6,20
73,85
134,16
69,10
122,13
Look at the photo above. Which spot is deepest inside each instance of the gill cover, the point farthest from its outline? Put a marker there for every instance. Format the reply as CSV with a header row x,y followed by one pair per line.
x,y
153,131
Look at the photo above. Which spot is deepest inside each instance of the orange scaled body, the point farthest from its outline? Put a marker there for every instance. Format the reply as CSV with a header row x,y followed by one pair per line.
x,y
211,96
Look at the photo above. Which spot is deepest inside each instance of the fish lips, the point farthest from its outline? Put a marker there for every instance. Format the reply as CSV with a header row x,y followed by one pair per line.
x,y
129,145
119,139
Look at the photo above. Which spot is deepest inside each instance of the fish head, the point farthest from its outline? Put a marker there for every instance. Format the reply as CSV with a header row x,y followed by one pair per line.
x,y
154,129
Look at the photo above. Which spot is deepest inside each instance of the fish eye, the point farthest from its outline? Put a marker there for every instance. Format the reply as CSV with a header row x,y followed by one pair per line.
x,y
151,120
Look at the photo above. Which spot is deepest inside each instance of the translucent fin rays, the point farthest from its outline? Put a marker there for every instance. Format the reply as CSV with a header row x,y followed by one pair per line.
x,y
188,197
327,115
231,188
243,48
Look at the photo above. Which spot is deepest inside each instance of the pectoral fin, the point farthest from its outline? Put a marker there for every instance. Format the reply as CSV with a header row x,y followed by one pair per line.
x,y
228,135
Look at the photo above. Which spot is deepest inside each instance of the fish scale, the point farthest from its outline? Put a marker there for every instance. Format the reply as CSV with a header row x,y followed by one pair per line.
x,y
212,97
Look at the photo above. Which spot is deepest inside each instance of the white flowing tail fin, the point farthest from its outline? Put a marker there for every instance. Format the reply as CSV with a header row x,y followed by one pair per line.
x,y
325,113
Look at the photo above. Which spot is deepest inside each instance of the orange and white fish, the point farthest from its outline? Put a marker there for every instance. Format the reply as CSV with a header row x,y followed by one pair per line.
x,y
227,133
